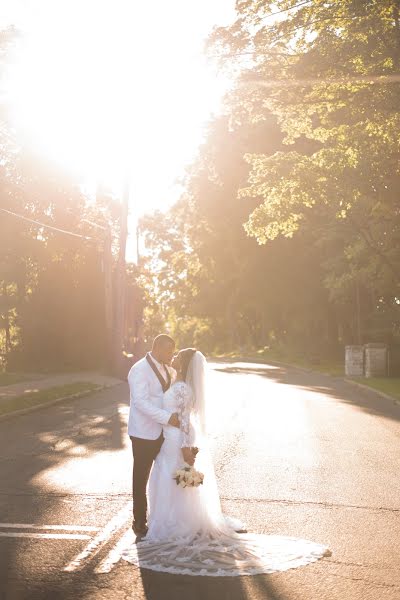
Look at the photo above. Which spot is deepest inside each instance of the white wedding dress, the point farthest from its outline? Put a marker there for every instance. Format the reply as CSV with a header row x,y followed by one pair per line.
x,y
188,533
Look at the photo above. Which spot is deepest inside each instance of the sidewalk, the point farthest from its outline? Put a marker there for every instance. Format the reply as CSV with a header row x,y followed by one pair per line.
x,y
25,387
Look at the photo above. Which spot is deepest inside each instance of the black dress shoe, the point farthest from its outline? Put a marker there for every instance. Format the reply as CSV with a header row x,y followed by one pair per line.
x,y
139,529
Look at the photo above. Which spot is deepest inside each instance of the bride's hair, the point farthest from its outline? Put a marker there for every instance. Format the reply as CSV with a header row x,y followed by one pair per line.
x,y
185,356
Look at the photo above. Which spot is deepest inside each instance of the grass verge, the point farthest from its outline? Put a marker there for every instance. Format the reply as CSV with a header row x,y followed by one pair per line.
x,y
387,385
31,399
11,378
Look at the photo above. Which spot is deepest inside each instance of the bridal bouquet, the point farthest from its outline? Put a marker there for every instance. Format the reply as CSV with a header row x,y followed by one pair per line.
x,y
187,476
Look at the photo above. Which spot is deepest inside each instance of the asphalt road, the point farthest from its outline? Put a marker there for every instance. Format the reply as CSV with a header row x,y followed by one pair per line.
x,y
296,454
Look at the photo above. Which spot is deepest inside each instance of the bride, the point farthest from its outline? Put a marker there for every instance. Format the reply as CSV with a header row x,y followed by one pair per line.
x,y
188,533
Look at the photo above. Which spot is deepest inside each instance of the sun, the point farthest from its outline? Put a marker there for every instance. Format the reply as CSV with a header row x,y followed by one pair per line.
x,y
112,91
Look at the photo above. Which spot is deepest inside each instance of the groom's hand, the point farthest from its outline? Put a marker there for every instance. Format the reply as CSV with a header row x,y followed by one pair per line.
x,y
174,420
188,456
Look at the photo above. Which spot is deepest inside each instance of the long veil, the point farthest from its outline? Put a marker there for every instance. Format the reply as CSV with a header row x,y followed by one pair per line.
x,y
197,379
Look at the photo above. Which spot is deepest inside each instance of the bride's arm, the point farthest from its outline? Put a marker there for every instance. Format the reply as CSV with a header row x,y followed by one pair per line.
x,y
185,404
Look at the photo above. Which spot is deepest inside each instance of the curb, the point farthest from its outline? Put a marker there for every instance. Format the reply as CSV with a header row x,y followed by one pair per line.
x,y
371,389
25,411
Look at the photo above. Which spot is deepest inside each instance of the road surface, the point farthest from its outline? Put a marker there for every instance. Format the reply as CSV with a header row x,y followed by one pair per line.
x,y
296,454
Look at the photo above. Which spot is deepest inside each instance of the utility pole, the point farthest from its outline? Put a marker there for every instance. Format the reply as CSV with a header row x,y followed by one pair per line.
x,y
120,287
358,312
108,293
107,265
138,245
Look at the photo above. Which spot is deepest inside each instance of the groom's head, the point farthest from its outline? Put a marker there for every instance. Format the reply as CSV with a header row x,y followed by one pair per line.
x,y
163,348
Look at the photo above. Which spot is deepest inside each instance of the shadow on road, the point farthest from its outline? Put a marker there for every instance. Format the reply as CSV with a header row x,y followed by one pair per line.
x,y
335,387
176,587
43,455
147,585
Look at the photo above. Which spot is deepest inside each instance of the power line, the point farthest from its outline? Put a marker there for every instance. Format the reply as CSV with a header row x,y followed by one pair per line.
x,y
85,237
373,79
278,12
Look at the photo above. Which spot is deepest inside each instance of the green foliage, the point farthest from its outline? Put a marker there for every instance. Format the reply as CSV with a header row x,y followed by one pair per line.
x,y
329,73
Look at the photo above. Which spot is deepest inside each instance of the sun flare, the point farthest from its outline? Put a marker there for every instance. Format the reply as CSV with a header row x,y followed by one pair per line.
x,y
110,91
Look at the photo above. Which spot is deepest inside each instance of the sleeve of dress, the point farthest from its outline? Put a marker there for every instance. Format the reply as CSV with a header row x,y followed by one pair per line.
x,y
185,407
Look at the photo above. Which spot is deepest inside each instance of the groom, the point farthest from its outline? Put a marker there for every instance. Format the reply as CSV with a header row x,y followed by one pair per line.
x,y
148,379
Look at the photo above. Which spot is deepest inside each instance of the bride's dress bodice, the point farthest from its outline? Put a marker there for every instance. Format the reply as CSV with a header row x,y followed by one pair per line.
x,y
171,399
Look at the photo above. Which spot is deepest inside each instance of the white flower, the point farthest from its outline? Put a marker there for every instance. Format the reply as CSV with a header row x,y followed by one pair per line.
x,y
187,476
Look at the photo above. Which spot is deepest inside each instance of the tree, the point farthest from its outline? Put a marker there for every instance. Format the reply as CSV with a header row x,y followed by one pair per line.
x,y
328,71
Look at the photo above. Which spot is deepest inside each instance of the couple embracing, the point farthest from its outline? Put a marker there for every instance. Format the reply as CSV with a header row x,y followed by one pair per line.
x,y
181,529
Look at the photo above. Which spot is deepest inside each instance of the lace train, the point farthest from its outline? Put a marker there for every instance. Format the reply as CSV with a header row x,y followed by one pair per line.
x,y
225,555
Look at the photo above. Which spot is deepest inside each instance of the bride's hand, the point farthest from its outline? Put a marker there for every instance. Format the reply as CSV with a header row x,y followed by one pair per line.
x,y
188,456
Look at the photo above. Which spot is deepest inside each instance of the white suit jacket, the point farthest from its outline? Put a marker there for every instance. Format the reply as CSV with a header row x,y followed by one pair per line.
x,y
146,415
